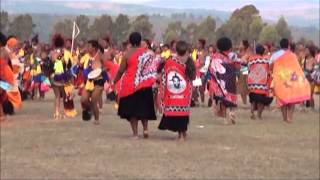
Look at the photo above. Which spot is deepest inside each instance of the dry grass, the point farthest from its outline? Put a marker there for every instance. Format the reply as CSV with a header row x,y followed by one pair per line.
x,y
34,146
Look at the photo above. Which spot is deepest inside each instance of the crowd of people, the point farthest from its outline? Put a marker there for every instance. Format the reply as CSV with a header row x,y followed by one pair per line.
x,y
143,78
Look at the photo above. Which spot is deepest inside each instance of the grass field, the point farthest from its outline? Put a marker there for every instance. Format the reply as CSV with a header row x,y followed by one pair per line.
x,y
34,146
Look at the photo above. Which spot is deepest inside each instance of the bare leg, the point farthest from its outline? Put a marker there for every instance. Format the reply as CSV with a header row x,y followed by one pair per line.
x,y
100,103
284,112
244,97
220,110
85,99
134,127
253,117
290,110
184,135
312,97
260,109
223,110
179,135
36,90
2,116
195,95
230,118
215,108
41,93
202,89
57,100
232,115
145,128
210,101
95,98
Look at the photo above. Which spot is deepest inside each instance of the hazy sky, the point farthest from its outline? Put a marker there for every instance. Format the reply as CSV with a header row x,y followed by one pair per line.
x,y
308,9
228,5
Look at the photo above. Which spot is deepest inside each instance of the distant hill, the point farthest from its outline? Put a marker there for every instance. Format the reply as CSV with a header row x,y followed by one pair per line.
x,y
94,8
309,33
98,8
46,13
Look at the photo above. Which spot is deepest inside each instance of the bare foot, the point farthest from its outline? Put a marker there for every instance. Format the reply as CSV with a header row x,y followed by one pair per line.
x,y
226,122
96,122
145,135
253,117
288,121
57,116
184,135
2,119
135,137
232,118
179,139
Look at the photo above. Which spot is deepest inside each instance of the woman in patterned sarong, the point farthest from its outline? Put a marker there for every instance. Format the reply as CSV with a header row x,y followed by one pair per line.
x,y
223,82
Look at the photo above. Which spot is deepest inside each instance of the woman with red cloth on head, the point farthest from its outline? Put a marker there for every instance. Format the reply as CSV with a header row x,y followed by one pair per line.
x,y
13,94
6,77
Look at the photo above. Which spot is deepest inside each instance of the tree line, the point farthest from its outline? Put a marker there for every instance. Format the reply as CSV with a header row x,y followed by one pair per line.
x,y
243,24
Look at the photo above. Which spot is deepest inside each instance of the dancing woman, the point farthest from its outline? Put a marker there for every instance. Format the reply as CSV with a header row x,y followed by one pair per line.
x,y
95,77
61,79
138,75
223,81
259,81
290,84
176,90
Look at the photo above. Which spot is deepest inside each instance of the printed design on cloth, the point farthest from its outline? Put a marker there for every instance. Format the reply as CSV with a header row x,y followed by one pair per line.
x,y
177,108
146,68
258,74
176,84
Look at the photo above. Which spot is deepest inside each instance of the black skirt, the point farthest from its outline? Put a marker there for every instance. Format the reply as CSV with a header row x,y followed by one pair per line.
x,y
139,105
260,98
174,123
227,104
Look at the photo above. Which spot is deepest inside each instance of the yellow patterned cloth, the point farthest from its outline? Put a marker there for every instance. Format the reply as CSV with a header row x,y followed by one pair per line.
x,y
69,112
166,54
58,67
194,55
85,60
67,56
21,52
89,86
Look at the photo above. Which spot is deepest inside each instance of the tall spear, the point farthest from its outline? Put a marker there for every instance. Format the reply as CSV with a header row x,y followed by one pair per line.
x,y
74,34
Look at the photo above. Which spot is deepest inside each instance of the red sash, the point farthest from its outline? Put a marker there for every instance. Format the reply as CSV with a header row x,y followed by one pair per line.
x,y
140,73
259,77
175,89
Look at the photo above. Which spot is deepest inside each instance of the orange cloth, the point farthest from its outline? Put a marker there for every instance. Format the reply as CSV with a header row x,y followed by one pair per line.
x,y
6,73
15,98
12,42
290,84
